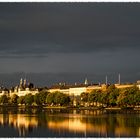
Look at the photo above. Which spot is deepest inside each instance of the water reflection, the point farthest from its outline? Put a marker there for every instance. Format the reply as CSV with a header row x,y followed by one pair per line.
x,y
21,122
70,123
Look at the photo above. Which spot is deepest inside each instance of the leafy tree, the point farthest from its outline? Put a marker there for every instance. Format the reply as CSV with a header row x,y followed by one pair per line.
x,y
3,99
93,96
84,97
103,98
37,99
50,99
21,100
13,99
42,97
113,93
111,88
122,99
61,99
57,98
137,98
132,92
29,99
128,96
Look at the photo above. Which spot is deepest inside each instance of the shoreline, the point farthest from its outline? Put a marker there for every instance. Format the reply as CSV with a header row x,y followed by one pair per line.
x,y
67,107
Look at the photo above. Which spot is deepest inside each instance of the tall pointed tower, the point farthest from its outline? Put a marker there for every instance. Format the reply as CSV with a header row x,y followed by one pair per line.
x,y
24,84
21,83
86,81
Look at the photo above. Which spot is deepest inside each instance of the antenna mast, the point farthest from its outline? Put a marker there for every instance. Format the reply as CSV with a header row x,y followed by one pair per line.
x,y
106,80
119,79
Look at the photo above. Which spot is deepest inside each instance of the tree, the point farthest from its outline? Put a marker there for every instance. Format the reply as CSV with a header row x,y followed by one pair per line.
x,y
103,98
13,99
21,100
113,93
50,98
137,98
128,96
57,98
61,99
3,99
29,99
42,96
84,97
37,99
93,97
122,99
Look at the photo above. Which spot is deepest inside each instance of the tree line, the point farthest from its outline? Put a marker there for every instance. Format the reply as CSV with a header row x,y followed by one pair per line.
x,y
41,98
111,97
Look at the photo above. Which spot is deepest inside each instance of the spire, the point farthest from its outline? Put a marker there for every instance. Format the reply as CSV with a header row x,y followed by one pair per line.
x,y
106,80
86,81
21,81
24,82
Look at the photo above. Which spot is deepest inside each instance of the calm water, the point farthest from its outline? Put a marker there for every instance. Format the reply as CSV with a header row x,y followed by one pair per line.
x,y
68,123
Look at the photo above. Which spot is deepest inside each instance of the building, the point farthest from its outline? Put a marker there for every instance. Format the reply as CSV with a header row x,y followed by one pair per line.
x,y
23,89
74,90
4,91
123,86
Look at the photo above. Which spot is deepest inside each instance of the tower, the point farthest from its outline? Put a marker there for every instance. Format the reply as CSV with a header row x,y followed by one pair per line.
x,y
24,84
21,82
86,82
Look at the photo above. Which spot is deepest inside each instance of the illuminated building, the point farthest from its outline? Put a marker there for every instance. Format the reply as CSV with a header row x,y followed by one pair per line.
x,y
23,89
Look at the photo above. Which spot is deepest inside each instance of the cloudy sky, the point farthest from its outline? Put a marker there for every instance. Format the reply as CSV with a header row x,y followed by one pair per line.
x,y
66,42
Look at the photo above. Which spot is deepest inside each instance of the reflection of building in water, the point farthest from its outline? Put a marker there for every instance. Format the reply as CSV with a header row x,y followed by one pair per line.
x,y
20,122
98,124
77,126
138,133
121,131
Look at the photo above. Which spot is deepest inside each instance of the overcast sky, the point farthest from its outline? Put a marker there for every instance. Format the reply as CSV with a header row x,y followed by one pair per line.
x,y
66,42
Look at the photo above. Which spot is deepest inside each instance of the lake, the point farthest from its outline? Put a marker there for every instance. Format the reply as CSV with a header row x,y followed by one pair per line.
x,y
63,123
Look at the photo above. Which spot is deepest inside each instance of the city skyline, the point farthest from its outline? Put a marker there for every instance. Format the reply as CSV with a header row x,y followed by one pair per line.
x,y
66,42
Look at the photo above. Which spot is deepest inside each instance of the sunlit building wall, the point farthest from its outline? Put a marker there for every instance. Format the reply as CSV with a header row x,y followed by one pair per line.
x,y
77,90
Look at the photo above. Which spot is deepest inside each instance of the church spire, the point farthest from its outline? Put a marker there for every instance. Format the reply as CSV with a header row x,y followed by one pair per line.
x,y
21,81
86,81
24,82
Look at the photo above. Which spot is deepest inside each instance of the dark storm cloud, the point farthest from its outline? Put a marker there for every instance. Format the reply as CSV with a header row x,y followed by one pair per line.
x,y
36,29
54,42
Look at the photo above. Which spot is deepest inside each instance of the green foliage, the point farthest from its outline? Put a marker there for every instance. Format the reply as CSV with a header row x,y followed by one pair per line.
x,y
57,98
4,99
129,96
84,96
113,96
13,99
61,99
103,98
21,100
42,97
29,99
122,99
50,98
137,98
37,99
93,96
113,93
